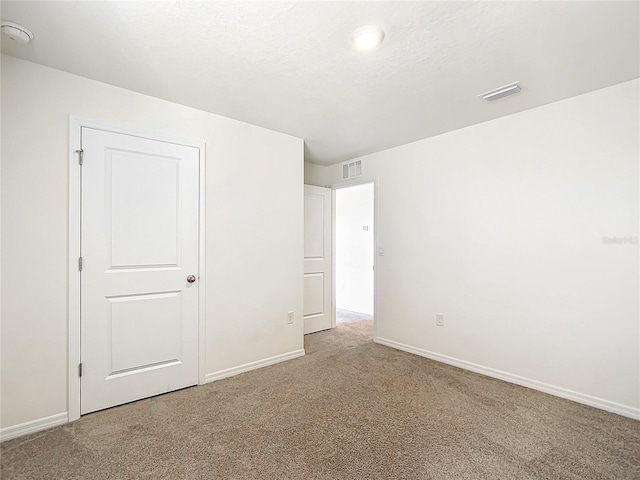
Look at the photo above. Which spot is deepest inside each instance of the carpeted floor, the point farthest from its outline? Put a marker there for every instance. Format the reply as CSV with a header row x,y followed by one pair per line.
x,y
347,316
349,409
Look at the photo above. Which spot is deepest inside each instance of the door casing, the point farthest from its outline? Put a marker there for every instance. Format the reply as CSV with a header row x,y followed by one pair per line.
x,y
74,249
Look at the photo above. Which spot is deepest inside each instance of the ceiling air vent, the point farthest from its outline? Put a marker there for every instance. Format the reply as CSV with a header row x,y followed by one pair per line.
x,y
352,169
498,93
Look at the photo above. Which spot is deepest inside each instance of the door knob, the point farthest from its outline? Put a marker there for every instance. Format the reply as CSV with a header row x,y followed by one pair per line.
x,y
191,278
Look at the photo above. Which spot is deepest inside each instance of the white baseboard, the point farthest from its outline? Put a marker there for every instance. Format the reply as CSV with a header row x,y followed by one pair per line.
x,y
229,372
33,426
624,410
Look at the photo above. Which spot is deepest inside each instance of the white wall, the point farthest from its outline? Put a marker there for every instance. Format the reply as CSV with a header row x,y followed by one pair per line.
x,y
499,226
354,248
316,175
254,229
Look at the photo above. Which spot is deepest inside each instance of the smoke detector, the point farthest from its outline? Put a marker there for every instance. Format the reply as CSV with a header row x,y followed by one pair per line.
x,y
16,32
498,93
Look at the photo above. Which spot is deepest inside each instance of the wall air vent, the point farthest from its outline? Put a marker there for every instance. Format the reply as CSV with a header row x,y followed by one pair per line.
x,y
352,169
501,92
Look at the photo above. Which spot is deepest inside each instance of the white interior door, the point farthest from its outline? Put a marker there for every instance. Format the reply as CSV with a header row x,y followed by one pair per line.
x,y
317,258
139,245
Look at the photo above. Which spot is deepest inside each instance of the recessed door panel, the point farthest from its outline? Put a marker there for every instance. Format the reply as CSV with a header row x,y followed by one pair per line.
x,y
154,317
313,294
314,225
143,222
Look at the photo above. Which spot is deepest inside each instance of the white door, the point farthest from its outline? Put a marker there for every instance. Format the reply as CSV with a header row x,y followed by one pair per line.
x,y
317,258
139,245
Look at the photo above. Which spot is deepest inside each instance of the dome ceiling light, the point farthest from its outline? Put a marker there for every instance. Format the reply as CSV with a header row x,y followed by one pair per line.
x,y
367,37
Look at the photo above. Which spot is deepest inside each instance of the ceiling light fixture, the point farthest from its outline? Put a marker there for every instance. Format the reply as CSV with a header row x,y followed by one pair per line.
x,y
367,37
498,93
16,32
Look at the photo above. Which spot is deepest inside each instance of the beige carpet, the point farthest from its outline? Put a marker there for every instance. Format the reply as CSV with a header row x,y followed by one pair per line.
x,y
349,409
347,316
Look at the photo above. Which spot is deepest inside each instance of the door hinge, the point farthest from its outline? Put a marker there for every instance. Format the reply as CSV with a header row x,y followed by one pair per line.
x,y
80,264
79,369
80,156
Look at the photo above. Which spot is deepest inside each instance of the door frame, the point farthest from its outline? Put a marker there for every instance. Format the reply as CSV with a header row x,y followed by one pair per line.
x,y
75,208
346,184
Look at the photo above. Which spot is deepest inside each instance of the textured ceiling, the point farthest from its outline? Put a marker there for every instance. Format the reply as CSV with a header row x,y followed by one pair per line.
x,y
290,66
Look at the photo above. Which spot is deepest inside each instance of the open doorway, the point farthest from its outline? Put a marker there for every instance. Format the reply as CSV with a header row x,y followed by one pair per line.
x,y
354,253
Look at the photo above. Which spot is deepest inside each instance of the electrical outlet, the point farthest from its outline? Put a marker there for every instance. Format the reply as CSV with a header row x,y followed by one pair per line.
x,y
440,319
289,317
